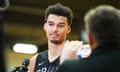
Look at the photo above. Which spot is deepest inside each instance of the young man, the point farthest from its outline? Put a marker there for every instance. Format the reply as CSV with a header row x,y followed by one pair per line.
x,y
103,26
57,26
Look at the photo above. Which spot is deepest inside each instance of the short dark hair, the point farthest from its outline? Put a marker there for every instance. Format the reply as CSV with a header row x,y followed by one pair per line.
x,y
60,10
103,22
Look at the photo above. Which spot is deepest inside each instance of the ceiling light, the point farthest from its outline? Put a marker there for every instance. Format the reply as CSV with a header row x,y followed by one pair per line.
x,y
25,48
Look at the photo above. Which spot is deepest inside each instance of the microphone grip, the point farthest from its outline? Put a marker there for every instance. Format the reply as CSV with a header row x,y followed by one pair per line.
x,y
15,69
24,65
22,68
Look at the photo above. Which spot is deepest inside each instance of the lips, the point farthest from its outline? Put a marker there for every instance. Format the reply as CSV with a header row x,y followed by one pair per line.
x,y
54,35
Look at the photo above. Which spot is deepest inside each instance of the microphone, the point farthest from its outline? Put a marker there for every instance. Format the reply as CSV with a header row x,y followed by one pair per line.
x,y
22,68
24,65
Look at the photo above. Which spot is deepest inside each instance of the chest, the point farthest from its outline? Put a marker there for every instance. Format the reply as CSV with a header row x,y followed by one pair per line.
x,y
43,65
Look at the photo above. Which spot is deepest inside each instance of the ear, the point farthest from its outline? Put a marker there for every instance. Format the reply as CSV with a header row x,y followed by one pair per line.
x,y
90,40
69,30
45,26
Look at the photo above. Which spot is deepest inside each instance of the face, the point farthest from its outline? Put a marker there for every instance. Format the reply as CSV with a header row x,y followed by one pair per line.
x,y
56,28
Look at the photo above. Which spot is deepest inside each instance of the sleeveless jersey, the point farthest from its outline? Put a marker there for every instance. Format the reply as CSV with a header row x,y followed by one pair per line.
x,y
43,64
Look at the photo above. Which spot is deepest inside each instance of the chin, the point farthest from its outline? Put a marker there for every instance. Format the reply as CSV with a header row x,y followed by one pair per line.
x,y
55,41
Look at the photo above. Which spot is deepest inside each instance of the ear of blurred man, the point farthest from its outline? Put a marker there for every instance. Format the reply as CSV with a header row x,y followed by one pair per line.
x,y
91,40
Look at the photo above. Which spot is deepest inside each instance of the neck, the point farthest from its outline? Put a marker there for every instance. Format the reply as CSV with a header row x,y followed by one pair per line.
x,y
54,51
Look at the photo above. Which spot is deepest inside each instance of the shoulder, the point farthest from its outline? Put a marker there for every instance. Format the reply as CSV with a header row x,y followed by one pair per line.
x,y
43,54
32,63
34,59
79,65
38,54
68,66
71,62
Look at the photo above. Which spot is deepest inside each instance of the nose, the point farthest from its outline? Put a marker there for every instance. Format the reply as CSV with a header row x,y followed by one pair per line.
x,y
55,29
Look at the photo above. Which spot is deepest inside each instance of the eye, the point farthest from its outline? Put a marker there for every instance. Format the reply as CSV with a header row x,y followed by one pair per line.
x,y
61,25
50,24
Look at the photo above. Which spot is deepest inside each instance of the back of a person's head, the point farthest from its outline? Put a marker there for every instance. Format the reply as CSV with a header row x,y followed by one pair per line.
x,y
60,10
103,22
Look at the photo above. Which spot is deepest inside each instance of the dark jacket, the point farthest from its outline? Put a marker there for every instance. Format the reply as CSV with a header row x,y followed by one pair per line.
x,y
102,59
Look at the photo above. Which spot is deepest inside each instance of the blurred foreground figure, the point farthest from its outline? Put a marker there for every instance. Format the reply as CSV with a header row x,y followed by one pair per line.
x,y
103,27
3,6
2,60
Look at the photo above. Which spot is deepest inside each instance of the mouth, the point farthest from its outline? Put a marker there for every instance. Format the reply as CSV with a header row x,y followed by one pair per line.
x,y
54,35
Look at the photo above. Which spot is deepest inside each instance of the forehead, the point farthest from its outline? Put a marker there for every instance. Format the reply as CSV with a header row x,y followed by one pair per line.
x,y
56,18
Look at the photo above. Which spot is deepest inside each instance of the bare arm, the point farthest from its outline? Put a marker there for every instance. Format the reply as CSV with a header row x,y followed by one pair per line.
x,y
32,63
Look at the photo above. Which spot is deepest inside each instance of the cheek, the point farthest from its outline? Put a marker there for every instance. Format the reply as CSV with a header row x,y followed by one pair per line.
x,y
63,33
47,32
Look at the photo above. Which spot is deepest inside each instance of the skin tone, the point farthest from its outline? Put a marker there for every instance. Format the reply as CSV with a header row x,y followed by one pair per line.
x,y
92,43
56,28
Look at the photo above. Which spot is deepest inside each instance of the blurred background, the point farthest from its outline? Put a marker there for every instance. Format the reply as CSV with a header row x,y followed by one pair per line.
x,y
23,24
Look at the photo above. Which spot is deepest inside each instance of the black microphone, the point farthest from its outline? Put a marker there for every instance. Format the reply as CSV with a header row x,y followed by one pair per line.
x,y
22,68
24,65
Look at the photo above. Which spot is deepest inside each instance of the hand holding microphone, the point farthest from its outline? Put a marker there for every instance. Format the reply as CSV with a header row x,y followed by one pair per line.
x,y
22,68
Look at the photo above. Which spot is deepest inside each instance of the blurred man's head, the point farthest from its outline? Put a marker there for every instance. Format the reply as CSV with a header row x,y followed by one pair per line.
x,y
103,25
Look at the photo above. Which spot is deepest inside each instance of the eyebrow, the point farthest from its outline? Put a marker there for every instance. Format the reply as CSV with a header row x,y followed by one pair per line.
x,y
58,23
61,23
